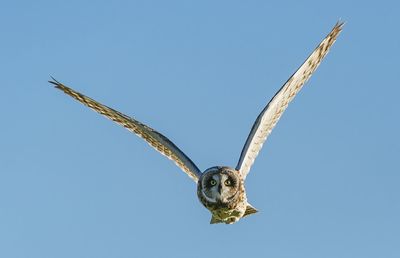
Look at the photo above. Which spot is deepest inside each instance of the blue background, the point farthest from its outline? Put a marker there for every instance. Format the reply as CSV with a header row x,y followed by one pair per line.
x,y
73,184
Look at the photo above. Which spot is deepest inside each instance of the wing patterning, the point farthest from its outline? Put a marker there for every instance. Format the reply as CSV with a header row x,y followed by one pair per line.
x,y
156,140
270,115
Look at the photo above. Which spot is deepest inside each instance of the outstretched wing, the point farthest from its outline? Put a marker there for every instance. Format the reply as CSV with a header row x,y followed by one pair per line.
x,y
156,140
270,115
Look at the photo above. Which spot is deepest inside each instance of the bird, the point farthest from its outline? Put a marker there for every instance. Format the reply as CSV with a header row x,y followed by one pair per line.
x,y
221,189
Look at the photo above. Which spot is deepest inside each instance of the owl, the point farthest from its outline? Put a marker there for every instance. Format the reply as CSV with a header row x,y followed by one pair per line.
x,y
221,189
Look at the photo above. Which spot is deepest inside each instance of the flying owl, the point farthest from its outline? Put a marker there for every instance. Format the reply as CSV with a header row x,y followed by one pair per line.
x,y
221,189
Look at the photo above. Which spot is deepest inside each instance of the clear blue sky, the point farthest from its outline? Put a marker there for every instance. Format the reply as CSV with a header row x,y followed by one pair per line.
x,y
74,184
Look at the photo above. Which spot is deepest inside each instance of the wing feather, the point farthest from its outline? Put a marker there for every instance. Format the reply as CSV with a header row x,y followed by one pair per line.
x,y
270,115
156,140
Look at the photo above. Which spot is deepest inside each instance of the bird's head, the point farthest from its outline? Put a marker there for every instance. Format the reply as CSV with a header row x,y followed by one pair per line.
x,y
219,185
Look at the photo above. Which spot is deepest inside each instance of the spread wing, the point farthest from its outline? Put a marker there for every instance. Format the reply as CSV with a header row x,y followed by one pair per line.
x,y
270,115
156,140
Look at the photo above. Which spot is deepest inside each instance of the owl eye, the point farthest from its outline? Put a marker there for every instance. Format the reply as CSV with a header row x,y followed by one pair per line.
x,y
228,182
213,182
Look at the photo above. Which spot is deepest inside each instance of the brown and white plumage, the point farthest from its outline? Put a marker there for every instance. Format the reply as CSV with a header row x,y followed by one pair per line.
x,y
156,140
270,115
221,189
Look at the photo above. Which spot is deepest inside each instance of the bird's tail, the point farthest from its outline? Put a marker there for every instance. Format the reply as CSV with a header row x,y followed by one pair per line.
x,y
249,210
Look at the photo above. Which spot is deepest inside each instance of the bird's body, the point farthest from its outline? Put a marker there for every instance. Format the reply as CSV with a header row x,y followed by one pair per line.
x,y
221,189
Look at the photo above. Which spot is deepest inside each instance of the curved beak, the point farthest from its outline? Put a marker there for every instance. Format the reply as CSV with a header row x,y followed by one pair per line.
x,y
219,189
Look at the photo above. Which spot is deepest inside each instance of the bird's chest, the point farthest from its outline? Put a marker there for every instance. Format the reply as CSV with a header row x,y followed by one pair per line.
x,y
229,215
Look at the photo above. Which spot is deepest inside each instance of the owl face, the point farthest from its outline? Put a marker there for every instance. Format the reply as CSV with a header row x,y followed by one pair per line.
x,y
219,185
